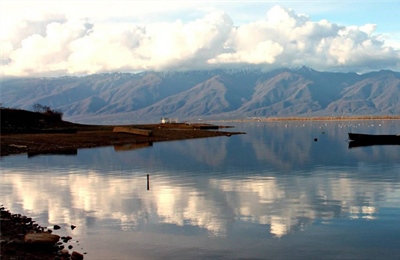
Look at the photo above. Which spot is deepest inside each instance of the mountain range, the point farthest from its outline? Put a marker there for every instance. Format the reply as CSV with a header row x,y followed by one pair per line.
x,y
215,94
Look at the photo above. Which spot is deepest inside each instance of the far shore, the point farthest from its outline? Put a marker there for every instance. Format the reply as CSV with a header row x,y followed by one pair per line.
x,y
321,118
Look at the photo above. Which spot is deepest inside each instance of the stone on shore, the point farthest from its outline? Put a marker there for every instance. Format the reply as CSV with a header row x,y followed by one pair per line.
x,y
56,227
39,239
76,256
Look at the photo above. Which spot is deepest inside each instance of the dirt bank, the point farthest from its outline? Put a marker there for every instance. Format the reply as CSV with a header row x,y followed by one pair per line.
x,y
95,136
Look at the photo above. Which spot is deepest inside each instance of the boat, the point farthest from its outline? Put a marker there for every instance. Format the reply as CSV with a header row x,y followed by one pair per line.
x,y
357,140
375,138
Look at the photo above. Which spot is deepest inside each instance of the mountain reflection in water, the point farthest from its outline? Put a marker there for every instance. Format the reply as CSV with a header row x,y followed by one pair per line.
x,y
275,180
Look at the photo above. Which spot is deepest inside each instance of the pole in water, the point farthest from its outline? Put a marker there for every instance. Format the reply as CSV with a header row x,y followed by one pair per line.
x,y
148,182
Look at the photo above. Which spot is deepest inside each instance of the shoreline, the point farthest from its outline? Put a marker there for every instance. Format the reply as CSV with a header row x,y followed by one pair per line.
x,y
22,238
322,118
24,132
90,136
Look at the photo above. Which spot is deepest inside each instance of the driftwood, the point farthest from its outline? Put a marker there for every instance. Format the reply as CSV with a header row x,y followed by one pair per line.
x,y
130,130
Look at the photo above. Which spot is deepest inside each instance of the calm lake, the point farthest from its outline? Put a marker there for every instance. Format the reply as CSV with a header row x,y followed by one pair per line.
x,y
273,193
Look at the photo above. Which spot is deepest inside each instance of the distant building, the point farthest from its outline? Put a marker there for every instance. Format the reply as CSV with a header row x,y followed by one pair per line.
x,y
166,120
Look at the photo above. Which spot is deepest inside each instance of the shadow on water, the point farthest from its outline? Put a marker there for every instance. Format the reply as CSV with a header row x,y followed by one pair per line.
x,y
128,147
355,144
61,152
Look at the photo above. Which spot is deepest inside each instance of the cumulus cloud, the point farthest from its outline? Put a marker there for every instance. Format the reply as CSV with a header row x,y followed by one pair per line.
x,y
54,44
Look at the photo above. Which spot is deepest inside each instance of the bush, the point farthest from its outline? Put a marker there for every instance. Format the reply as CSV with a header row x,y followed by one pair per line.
x,y
56,115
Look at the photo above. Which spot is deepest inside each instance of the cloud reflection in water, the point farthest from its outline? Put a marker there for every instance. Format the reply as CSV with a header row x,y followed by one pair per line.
x,y
271,183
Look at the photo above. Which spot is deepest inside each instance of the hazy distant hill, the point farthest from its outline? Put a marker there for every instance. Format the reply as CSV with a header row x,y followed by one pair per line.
x,y
148,96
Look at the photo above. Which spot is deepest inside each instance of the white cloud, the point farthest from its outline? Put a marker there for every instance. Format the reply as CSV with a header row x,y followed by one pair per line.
x,y
56,39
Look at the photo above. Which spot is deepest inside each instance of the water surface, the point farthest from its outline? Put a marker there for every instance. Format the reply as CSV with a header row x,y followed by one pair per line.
x,y
273,193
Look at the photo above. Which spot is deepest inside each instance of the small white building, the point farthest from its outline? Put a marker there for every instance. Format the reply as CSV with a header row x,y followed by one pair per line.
x,y
166,120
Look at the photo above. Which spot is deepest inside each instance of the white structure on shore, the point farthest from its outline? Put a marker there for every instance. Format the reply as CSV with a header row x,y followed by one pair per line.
x,y
166,120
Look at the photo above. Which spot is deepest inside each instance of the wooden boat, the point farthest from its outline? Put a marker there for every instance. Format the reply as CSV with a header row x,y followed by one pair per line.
x,y
131,130
376,138
367,140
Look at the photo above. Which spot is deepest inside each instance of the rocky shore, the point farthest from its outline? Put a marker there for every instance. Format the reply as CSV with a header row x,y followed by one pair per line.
x,y
22,238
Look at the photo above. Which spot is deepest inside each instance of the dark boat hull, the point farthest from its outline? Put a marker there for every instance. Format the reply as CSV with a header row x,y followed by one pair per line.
x,y
367,137
367,140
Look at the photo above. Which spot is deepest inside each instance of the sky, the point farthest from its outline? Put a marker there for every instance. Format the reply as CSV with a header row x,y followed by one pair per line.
x,y
70,37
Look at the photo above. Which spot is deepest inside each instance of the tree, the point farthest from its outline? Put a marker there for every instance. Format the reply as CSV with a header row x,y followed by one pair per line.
x,y
46,110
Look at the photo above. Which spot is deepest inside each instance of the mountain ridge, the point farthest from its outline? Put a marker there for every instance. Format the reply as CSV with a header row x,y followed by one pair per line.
x,y
191,95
